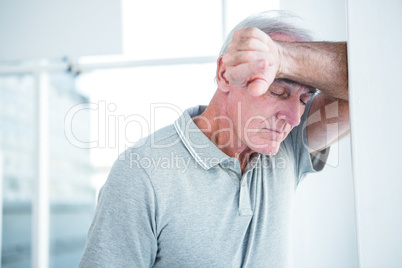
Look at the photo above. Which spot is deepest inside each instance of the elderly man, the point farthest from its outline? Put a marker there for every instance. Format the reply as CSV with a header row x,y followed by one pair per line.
x,y
226,202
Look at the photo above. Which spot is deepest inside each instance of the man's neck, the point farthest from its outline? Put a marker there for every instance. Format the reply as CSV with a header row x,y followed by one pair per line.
x,y
214,123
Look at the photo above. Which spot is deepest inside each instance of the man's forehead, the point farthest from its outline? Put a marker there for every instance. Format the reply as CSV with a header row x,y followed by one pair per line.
x,y
293,84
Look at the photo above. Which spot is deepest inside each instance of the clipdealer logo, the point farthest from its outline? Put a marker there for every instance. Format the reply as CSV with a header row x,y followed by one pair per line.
x,y
112,129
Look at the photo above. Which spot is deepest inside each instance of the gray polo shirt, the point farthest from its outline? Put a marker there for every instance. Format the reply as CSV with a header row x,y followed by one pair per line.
x,y
176,200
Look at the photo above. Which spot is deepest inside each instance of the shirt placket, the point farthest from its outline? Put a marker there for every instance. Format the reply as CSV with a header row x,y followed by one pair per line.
x,y
245,208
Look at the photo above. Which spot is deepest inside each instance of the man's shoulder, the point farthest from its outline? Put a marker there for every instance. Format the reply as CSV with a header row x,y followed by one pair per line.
x,y
149,151
160,139
157,162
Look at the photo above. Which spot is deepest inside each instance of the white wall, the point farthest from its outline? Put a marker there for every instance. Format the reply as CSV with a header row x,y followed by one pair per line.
x,y
324,228
375,57
50,29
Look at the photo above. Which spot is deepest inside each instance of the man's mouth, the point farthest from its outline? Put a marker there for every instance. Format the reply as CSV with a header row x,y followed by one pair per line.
x,y
276,131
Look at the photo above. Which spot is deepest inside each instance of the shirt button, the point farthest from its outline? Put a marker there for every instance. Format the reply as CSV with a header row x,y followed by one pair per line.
x,y
243,185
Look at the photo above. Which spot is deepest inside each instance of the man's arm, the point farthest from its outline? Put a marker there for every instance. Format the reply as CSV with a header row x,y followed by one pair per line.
x,y
123,231
254,60
322,65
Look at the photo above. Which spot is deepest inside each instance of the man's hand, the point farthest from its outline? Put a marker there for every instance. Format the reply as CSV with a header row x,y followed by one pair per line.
x,y
252,60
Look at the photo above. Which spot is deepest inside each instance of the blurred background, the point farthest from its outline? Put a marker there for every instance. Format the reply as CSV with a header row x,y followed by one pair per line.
x,y
80,81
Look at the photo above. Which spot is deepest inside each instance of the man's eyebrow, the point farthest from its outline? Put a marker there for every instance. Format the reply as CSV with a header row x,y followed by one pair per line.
x,y
311,90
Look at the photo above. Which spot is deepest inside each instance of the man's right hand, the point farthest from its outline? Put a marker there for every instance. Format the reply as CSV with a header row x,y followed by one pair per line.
x,y
252,61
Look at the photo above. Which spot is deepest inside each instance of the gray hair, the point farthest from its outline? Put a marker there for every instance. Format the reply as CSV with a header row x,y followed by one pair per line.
x,y
273,21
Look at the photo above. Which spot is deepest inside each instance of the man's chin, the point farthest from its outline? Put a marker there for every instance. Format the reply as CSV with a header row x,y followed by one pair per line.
x,y
271,152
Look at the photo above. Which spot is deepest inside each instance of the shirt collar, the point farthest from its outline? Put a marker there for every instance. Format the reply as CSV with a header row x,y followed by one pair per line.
x,y
200,147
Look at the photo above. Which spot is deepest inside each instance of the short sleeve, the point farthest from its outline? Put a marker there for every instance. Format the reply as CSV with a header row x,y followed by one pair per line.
x,y
306,162
122,233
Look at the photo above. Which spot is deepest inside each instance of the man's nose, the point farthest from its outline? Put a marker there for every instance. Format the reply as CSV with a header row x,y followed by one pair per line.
x,y
291,111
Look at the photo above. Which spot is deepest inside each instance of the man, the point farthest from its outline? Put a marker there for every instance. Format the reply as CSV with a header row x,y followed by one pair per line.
x,y
225,197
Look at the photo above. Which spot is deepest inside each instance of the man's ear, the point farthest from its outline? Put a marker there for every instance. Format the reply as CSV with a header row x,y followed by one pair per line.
x,y
223,84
